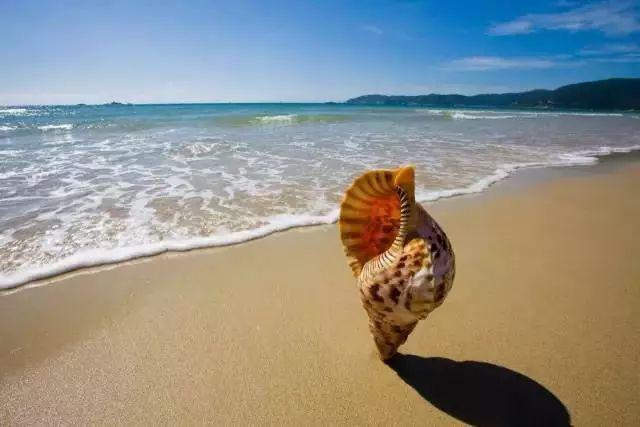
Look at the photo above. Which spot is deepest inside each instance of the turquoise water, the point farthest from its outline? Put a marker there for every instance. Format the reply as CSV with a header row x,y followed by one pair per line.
x,y
85,185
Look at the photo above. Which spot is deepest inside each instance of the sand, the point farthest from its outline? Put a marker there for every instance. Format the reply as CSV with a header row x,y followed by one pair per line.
x,y
542,324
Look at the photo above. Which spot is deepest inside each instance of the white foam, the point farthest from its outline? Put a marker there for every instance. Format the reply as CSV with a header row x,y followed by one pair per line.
x,y
508,114
198,148
7,128
97,257
579,158
13,111
282,118
66,126
11,153
459,115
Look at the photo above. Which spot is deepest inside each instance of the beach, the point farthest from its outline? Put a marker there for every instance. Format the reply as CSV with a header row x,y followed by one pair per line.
x,y
541,324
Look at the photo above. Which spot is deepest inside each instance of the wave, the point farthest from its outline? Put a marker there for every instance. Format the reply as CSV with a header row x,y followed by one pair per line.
x,y
66,126
496,114
98,257
24,112
283,119
13,111
458,115
7,128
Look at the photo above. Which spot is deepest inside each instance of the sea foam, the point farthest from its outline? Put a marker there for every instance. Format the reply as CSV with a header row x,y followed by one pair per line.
x,y
13,111
66,126
280,118
472,114
91,186
277,223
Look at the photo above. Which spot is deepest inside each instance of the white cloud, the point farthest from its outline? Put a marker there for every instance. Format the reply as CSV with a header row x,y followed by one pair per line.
x,y
489,63
459,88
610,49
483,63
631,58
611,17
372,29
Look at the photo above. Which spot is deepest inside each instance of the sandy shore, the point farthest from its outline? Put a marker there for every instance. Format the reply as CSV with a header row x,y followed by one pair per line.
x,y
543,323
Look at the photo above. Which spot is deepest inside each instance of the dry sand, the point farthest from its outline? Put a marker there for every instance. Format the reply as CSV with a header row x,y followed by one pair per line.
x,y
543,323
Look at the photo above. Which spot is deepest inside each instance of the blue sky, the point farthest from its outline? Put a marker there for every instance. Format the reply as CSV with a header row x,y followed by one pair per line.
x,y
199,51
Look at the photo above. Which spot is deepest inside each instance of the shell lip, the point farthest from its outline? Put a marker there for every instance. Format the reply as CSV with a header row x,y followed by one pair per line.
x,y
405,176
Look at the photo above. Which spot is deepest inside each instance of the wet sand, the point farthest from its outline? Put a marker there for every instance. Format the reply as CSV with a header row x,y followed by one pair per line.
x,y
541,325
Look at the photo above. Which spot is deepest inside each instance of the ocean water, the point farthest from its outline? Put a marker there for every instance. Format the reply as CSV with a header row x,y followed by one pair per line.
x,y
86,185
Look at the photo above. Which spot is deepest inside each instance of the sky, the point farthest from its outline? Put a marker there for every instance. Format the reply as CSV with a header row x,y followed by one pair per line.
x,y
67,52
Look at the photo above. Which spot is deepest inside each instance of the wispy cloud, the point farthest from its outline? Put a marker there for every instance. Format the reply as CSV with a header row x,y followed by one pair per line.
x,y
613,17
372,29
631,58
483,63
604,54
609,49
460,88
567,3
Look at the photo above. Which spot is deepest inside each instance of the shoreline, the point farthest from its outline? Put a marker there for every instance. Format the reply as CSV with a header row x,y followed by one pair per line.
x,y
100,258
542,318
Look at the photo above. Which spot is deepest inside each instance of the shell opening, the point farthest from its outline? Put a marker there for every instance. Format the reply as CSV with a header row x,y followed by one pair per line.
x,y
370,214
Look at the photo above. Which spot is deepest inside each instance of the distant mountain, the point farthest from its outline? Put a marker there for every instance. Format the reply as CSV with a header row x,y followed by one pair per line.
x,y
611,94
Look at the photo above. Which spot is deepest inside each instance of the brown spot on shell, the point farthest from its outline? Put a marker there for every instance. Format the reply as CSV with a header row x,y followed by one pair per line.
x,y
394,294
373,291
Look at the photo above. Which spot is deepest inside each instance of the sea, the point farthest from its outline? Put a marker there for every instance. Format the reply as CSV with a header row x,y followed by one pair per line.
x,y
88,185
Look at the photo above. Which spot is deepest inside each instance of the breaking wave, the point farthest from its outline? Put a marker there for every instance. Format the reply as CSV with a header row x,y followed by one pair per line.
x,y
497,114
66,126
283,119
277,223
